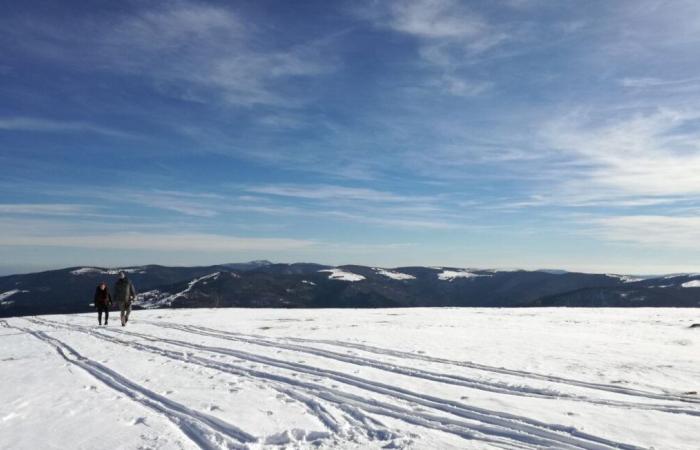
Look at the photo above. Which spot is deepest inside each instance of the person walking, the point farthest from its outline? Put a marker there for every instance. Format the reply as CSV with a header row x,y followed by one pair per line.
x,y
124,293
103,301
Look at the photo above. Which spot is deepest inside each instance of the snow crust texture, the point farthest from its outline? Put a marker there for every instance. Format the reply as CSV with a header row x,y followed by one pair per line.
x,y
423,378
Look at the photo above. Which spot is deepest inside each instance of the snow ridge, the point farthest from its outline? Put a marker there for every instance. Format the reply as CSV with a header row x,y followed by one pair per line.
x,y
5,295
156,298
339,274
625,278
393,274
451,275
691,284
87,270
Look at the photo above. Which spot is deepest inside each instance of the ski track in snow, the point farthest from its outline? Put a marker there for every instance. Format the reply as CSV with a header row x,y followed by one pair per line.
x,y
495,427
206,431
499,387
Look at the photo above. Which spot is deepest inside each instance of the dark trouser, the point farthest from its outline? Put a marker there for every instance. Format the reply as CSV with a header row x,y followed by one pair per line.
x,y
100,309
125,310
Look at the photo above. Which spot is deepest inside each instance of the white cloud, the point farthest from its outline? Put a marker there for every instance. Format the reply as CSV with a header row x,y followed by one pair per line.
x,y
646,155
55,126
158,241
43,208
193,51
331,192
449,35
435,19
651,230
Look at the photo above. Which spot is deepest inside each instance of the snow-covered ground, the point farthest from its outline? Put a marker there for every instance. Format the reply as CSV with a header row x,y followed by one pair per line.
x,y
353,379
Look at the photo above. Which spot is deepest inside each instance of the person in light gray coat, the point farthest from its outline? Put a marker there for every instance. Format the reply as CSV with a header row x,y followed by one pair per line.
x,y
124,293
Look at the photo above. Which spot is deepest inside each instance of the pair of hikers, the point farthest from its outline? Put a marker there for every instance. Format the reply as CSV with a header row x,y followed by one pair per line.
x,y
124,294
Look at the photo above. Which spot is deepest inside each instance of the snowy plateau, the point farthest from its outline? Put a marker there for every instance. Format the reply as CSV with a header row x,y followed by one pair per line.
x,y
421,378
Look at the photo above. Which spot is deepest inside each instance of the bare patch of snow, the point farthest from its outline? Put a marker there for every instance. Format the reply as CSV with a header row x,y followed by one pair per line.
x,y
308,282
89,270
152,299
691,284
393,274
625,278
450,275
338,274
157,299
5,295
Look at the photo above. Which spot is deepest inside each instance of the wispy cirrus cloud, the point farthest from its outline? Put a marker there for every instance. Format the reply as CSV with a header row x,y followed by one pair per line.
x,y
35,124
448,35
332,192
165,241
43,208
647,154
191,50
656,231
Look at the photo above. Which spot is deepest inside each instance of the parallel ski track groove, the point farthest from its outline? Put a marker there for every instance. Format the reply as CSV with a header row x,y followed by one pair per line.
x,y
205,431
494,423
498,387
468,364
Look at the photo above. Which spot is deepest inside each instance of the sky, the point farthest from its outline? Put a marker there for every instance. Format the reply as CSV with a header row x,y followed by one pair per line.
x,y
512,134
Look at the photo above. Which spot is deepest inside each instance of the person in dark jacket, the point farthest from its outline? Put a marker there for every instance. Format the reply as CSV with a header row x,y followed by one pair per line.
x,y
103,301
124,293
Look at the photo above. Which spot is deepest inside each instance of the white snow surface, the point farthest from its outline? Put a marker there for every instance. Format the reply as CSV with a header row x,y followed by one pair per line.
x,y
86,270
423,378
5,295
450,275
394,275
691,284
339,274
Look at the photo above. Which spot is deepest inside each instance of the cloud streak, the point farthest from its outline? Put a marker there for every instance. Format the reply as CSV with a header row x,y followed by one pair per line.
x,y
196,242
190,50
56,126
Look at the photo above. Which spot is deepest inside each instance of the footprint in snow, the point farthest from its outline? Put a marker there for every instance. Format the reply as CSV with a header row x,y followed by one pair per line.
x,y
138,421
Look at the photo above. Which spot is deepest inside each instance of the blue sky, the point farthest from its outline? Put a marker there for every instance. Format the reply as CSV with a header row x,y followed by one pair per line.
x,y
519,133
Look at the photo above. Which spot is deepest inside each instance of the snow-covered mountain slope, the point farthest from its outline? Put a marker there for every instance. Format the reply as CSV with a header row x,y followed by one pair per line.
x,y
342,275
423,378
394,275
449,275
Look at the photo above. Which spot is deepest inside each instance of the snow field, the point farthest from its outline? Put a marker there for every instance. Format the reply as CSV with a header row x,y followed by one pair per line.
x,y
402,378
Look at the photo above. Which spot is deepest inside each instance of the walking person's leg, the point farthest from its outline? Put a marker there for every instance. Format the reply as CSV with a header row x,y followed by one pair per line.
x,y
99,315
122,312
106,314
128,311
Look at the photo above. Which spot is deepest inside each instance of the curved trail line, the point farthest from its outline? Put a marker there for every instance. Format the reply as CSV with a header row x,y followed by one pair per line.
x,y
206,431
358,426
498,387
501,370
499,425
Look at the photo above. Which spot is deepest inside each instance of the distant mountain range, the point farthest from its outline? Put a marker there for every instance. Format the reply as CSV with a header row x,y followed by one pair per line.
x,y
262,284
